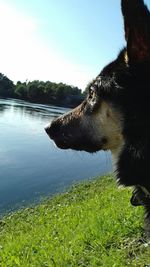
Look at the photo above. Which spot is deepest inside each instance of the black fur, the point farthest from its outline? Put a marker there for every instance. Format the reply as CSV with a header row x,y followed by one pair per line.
x,y
125,83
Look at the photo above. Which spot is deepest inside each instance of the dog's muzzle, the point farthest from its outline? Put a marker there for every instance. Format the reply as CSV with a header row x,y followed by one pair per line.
x,y
51,130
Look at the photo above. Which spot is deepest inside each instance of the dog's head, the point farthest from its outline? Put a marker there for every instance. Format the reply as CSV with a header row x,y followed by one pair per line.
x,y
112,106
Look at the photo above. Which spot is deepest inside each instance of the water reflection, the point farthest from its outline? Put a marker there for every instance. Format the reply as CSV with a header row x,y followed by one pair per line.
x,y
22,108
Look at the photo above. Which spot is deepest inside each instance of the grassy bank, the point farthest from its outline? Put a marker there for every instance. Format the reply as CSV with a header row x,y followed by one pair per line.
x,y
91,225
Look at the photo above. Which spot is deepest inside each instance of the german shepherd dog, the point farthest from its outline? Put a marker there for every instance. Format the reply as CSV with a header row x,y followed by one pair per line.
x,y
116,113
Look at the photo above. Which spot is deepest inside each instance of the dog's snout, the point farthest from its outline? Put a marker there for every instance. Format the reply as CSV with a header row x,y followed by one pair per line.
x,y
47,127
52,129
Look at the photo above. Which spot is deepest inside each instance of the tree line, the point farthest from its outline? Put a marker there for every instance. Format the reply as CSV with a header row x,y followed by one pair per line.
x,y
41,92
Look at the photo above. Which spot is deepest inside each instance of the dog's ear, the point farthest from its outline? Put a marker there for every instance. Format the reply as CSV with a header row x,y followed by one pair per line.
x,y
137,30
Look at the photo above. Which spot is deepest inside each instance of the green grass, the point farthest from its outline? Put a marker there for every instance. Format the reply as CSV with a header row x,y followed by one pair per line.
x,y
91,225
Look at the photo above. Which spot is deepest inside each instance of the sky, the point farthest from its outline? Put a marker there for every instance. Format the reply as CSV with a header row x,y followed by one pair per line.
x,y
67,41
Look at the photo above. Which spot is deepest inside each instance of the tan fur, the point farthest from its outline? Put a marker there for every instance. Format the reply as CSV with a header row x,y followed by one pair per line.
x,y
111,126
126,58
107,123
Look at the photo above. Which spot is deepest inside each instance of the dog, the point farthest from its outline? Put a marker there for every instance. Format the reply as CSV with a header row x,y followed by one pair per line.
x,y
116,112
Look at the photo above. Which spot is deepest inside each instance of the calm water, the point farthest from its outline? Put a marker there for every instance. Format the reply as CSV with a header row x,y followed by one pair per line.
x,y
30,165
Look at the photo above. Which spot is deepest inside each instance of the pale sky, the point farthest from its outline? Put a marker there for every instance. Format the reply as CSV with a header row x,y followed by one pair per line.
x,y
65,41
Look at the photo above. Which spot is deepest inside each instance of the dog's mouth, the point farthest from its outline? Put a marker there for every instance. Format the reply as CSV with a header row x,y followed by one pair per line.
x,y
77,140
77,145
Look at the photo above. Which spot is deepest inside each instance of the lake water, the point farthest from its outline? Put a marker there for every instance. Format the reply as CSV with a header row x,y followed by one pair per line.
x,y
31,166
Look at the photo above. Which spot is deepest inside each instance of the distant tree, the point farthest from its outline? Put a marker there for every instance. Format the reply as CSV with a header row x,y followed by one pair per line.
x,y
18,83
49,92
76,91
36,91
21,90
32,91
6,86
60,91
85,92
41,92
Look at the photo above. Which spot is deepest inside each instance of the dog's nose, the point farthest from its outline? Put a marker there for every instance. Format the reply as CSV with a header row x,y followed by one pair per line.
x,y
47,128
52,130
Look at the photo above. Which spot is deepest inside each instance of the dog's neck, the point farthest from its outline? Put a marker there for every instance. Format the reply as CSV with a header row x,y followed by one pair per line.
x,y
116,154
